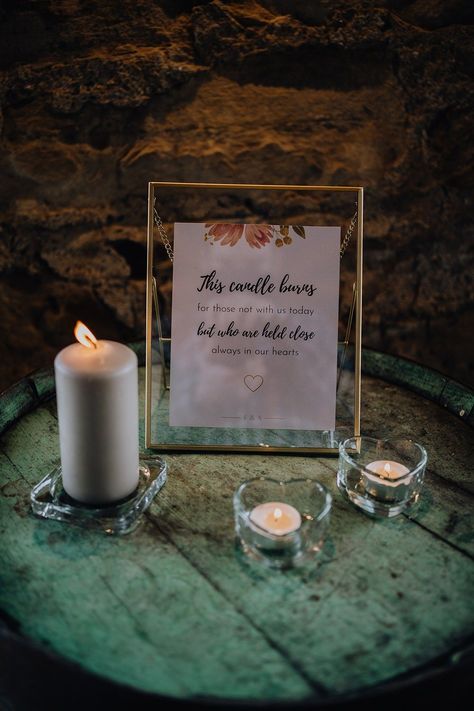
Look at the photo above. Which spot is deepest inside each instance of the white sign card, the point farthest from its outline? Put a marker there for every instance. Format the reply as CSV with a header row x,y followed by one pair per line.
x,y
254,326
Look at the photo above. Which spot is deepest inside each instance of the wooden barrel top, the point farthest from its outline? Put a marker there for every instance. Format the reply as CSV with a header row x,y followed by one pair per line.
x,y
174,609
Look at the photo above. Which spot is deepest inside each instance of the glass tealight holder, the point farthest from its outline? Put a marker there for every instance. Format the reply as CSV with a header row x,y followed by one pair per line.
x,y
382,477
282,524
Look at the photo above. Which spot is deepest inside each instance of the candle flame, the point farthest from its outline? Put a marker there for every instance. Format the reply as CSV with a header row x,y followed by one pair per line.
x,y
85,335
387,468
277,514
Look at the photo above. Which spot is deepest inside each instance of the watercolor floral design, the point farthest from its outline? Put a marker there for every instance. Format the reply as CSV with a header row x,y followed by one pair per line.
x,y
227,234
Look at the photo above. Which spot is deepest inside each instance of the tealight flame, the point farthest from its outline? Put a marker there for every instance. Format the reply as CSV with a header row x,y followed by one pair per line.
x,y
387,468
277,514
85,335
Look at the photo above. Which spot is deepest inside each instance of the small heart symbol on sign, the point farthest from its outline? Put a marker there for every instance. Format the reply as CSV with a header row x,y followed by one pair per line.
x,y
253,382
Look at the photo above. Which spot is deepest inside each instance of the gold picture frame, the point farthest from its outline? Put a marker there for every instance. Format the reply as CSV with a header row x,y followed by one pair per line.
x,y
327,443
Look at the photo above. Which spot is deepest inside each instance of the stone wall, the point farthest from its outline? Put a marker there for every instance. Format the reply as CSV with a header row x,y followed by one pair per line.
x,y
99,98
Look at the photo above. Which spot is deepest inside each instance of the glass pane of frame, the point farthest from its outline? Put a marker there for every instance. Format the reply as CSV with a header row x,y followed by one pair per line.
x,y
170,203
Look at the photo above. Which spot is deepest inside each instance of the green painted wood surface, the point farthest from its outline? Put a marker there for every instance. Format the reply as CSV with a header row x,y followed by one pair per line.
x,y
176,609
455,397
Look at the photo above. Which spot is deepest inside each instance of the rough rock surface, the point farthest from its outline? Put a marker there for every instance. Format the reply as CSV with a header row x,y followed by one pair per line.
x,y
98,98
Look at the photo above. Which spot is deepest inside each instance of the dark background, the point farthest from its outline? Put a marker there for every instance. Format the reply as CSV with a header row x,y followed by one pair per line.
x,y
98,98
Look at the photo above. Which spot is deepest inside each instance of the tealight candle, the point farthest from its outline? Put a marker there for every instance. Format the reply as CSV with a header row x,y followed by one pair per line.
x,y
97,397
281,534
369,477
388,482
276,518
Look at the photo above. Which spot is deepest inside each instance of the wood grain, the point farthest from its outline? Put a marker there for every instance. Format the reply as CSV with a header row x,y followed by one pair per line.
x,y
176,609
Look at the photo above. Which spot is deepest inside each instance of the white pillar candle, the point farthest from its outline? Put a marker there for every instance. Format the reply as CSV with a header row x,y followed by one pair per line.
x,y
97,397
276,518
389,481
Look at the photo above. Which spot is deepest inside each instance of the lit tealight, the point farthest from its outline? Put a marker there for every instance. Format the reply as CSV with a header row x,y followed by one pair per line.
x,y
388,469
276,518
386,479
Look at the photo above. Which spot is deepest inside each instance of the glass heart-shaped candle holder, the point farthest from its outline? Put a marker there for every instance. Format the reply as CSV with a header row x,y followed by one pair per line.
x,y
282,524
382,477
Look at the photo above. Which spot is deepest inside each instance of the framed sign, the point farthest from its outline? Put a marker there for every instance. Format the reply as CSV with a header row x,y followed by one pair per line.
x,y
254,294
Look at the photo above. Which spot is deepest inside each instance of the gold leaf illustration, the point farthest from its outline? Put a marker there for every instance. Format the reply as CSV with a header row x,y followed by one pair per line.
x,y
299,229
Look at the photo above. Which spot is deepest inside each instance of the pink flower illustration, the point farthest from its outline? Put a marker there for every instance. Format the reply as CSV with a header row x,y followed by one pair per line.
x,y
225,233
229,234
258,235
